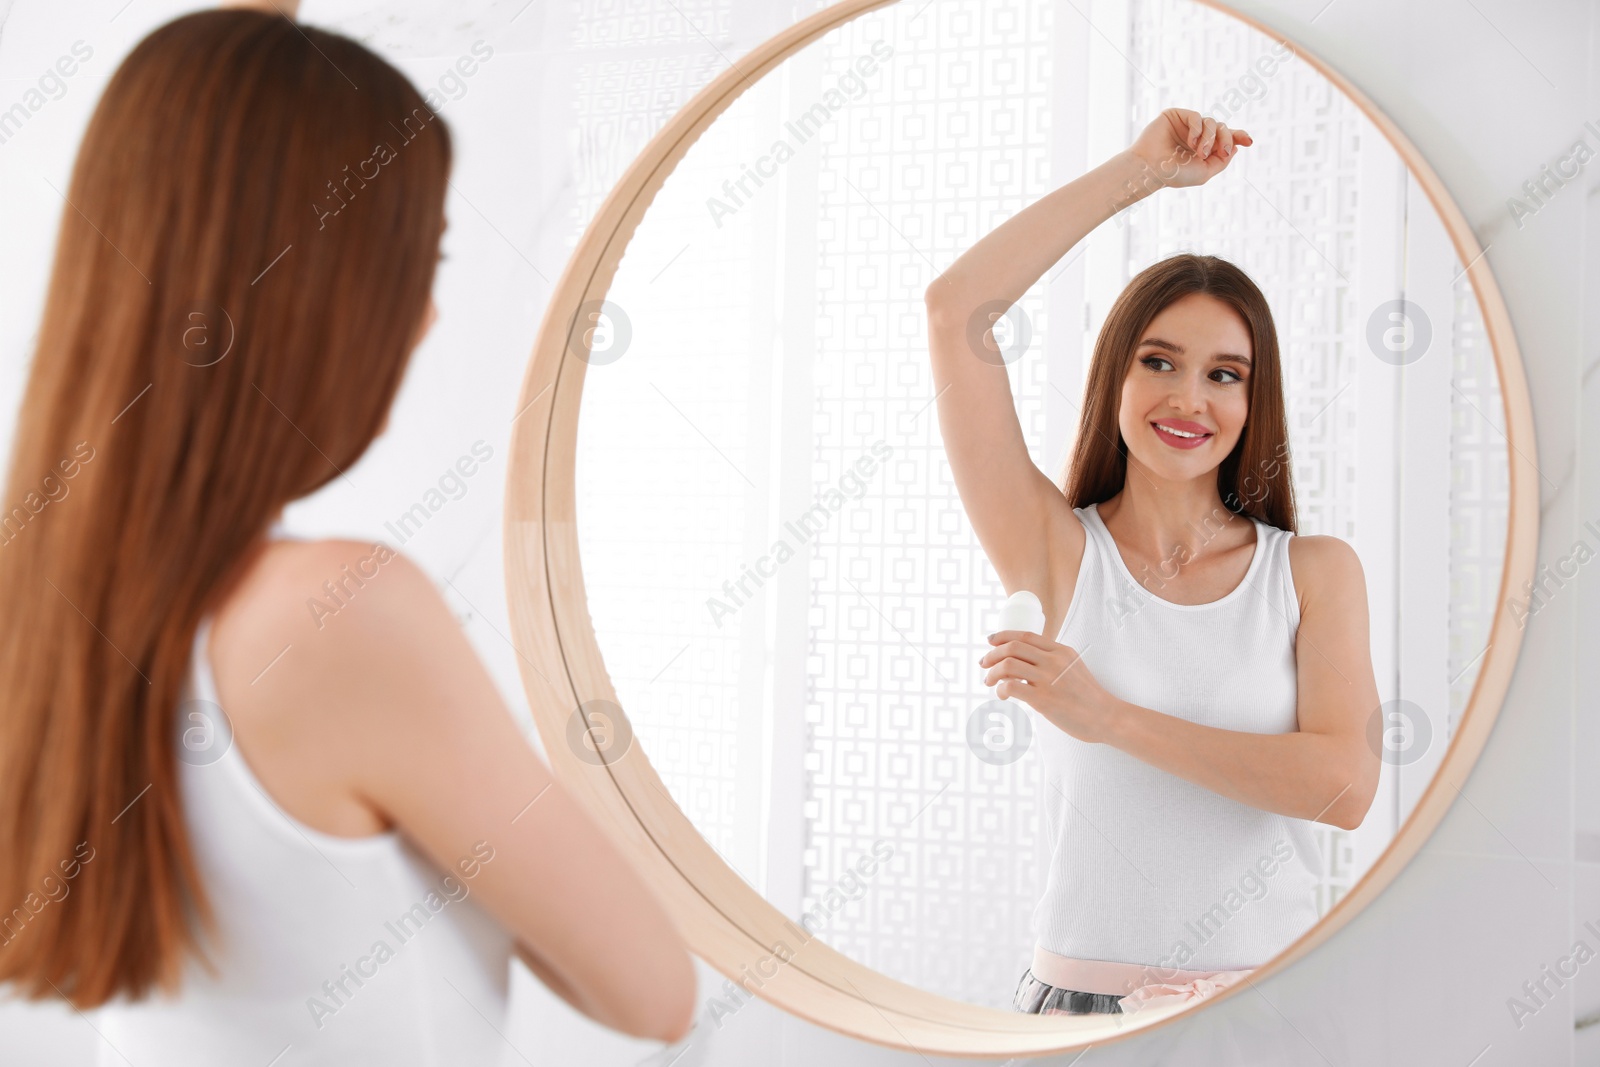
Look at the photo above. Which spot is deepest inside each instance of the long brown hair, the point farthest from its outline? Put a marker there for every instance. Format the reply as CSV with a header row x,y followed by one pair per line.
x,y
1254,479
243,264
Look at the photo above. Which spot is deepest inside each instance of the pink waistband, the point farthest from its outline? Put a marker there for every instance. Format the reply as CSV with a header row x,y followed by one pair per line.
x,y
1138,985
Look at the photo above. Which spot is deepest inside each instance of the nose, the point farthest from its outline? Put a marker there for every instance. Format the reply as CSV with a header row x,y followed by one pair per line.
x,y
1187,394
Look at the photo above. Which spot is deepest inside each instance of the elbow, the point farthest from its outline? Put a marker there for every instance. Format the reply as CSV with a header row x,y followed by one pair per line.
x,y
1357,786
677,1017
1348,817
937,301
682,1022
665,1011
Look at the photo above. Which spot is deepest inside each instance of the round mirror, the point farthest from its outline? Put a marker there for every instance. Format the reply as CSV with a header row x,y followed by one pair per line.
x,y
752,600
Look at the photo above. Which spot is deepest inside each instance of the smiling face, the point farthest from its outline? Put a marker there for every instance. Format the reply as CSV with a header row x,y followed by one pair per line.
x,y
1187,391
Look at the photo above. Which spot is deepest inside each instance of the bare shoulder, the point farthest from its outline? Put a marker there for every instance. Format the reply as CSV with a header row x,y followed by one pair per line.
x,y
347,591
1324,569
321,653
350,618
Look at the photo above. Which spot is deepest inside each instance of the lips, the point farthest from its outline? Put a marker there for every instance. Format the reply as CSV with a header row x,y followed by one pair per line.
x,y
1181,434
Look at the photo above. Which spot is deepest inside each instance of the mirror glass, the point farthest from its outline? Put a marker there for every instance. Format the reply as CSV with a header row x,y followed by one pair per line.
x,y
788,594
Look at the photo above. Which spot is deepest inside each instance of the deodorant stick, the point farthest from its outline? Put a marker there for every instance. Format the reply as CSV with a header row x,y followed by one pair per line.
x,y
1022,611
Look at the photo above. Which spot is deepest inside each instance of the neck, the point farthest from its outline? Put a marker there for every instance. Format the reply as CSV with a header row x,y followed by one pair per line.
x,y
1160,517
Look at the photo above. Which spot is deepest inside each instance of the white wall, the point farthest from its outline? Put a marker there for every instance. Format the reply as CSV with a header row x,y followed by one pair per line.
x,y
1489,92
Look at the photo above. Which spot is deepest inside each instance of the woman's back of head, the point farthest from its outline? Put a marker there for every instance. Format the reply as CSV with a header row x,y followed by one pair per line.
x,y
239,279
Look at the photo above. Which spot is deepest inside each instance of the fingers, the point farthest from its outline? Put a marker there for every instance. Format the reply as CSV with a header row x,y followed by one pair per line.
x,y
1015,652
1001,637
1019,644
1224,142
1035,669
1229,140
1012,688
1208,137
1011,667
1022,678
1205,139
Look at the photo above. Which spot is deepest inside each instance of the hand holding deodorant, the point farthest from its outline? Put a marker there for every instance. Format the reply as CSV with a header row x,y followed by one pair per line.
x,y
998,732
1022,611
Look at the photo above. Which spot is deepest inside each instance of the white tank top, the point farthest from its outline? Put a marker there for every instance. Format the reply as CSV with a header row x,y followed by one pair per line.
x,y
1143,866
332,950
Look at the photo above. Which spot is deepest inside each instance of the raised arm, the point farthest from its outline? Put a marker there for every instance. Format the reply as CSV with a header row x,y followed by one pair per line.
x,y
1016,511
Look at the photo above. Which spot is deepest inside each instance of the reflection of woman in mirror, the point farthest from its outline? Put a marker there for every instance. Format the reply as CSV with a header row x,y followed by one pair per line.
x,y
1204,713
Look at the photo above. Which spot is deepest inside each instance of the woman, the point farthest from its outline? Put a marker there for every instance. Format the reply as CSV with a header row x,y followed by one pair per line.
x,y
1202,714
337,867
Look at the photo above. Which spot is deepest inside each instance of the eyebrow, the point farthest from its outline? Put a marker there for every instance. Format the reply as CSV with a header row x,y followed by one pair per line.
x,y
1221,357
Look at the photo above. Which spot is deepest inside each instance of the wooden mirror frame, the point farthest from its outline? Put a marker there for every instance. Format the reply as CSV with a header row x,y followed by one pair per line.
x,y
723,918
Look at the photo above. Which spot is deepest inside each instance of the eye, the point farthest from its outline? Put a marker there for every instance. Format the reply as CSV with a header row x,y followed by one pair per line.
x,y
1148,360
1225,370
